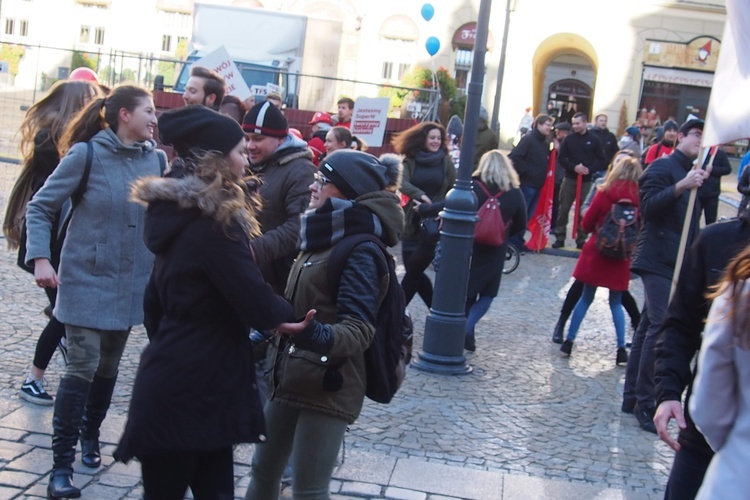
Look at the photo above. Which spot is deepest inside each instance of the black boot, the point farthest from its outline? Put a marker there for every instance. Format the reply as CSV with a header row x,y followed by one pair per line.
x,y
97,405
557,333
66,422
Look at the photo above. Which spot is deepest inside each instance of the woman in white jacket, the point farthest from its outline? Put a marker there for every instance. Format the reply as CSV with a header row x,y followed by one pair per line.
x,y
720,404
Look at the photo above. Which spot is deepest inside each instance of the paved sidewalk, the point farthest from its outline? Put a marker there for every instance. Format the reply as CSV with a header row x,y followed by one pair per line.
x,y
525,424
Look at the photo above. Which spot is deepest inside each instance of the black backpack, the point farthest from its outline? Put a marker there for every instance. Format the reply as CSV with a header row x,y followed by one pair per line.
x,y
619,231
390,350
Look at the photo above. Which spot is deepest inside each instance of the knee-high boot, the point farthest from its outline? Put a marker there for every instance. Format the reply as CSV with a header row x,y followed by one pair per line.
x,y
66,423
97,405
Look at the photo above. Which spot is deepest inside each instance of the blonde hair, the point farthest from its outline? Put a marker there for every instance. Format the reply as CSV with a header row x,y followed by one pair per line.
x,y
624,167
496,169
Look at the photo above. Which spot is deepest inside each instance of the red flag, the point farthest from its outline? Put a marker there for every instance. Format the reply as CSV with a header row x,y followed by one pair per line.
x,y
541,222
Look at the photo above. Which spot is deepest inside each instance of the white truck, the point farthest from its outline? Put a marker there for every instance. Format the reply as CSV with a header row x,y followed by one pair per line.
x,y
271,47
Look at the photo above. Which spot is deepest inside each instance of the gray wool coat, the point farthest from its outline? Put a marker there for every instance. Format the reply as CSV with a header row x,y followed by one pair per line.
x,y
720,404
104,264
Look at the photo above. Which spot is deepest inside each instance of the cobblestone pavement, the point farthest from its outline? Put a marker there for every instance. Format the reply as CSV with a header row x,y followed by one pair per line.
x,y
523,414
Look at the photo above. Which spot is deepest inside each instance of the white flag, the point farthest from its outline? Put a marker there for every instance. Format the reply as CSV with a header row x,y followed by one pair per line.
x,y
728,116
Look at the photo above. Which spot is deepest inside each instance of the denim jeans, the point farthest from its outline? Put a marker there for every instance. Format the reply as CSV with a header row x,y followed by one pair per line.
x,y
615,305
531,195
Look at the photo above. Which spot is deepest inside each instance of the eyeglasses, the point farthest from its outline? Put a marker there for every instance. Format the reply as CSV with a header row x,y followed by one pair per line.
x,y
321,179
696,133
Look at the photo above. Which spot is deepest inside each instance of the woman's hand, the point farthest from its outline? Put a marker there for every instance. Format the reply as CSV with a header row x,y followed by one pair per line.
x,y
296,328
44,274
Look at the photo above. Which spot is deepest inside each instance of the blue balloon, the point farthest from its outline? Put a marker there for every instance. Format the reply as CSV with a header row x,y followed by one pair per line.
x,y
428,11
432,45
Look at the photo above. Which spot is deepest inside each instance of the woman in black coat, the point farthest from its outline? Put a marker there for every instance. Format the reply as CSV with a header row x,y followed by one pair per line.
x,y
495,172
195,394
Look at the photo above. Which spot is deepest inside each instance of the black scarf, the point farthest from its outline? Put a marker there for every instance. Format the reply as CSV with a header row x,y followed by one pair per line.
x,y
425,158
336,219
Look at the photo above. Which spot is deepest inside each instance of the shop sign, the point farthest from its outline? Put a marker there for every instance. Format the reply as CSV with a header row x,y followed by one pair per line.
x,y
701,53
678,76
465,36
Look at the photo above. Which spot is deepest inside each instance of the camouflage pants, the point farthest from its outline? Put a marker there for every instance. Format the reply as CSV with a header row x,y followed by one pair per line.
x,y
93,351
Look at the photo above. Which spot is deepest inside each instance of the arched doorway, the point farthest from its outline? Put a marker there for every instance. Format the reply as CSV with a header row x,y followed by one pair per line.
x,y
565,68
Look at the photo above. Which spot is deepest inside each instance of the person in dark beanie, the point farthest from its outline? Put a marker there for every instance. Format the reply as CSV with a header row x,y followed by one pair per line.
x,y
284,164
318,376
665,146
204,295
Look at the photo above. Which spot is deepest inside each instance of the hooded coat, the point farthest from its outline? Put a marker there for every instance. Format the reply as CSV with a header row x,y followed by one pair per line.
x,y
286,175
104,265
299,377
195,389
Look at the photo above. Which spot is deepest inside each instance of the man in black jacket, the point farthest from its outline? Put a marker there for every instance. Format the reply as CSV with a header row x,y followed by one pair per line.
x,y
709,192
664,190
679,341
530,159
581,154
607,138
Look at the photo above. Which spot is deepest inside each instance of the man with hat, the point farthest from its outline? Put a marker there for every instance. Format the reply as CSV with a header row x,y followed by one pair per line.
x,y
318,377
282,161
321,123
664,190
561,132
663,148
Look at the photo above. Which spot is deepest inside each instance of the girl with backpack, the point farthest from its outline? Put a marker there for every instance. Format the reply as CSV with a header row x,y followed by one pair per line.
x,y
593,268
104,265
494,174
41,131
318,379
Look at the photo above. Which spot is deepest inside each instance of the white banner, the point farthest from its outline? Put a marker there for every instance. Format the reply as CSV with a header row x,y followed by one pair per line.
x,y
369,118
728,116
219,61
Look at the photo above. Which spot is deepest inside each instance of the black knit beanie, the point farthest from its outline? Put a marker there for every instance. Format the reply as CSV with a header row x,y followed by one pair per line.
x,y
354,173
198,128
264,118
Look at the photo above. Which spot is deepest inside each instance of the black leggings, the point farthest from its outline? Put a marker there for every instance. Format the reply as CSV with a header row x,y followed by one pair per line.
x,y
576,289
209,474
416,256
50,336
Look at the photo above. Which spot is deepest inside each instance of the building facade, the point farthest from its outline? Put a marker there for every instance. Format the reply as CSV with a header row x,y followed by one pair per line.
x,y
654,59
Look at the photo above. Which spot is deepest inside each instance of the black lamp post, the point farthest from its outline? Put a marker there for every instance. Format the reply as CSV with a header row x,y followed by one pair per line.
x,y
443,344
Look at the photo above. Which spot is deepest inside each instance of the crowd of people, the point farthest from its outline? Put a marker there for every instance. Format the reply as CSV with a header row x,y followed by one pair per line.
x,y
222,251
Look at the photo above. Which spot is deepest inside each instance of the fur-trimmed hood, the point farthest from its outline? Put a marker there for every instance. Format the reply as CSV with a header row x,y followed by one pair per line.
x,y
175,203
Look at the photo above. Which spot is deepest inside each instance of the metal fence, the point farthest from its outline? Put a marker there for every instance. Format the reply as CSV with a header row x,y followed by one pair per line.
x,y
34,68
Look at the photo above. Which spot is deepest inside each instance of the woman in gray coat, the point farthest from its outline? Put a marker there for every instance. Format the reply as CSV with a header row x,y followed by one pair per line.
x,y
104,264
720,403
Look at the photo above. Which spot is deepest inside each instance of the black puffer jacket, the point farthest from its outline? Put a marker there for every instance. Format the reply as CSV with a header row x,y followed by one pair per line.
x,y
663,215
195,387
530,159
680,337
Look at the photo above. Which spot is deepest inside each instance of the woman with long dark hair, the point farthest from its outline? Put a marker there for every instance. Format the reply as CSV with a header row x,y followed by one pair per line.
x,y
104,265
41,130
205,294
428,175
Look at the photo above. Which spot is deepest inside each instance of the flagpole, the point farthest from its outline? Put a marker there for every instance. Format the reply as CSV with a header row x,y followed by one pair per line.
x,y
688,220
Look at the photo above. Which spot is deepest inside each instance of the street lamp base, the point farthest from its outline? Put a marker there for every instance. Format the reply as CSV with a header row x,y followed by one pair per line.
x,y
444,365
